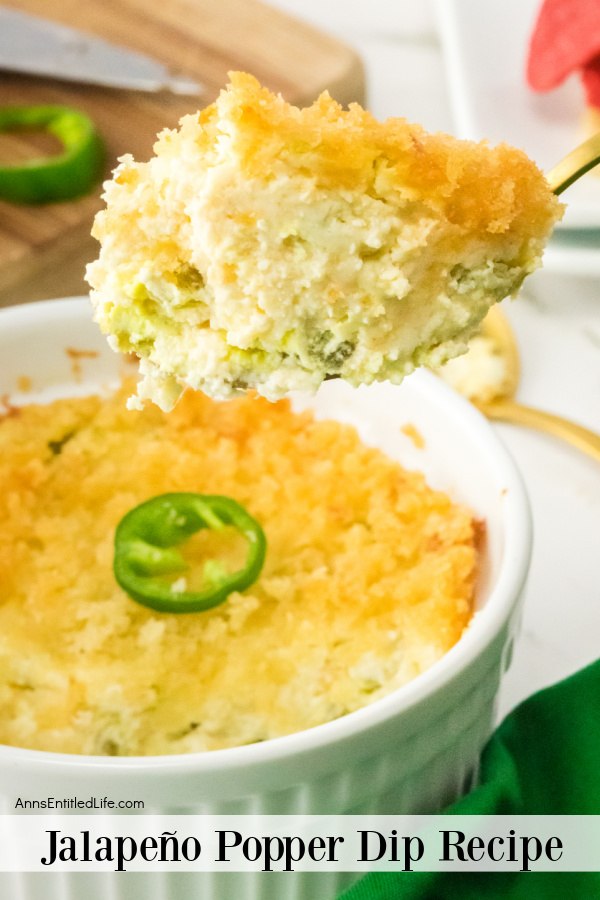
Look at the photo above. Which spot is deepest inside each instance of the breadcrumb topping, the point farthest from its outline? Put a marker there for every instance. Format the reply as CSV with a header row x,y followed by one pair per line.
x,y
368,578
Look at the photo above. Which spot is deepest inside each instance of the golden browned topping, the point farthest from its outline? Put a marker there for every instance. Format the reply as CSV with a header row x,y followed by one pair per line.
x,y
368,578
469,183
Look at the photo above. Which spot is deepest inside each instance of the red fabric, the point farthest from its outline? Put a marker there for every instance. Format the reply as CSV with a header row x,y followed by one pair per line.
x,y
566,37
591,82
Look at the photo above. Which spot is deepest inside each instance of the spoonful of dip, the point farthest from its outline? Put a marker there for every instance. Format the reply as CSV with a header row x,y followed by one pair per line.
x,y
271,247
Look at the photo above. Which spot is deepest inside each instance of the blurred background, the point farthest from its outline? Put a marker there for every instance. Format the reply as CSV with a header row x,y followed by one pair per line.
x,y
456,66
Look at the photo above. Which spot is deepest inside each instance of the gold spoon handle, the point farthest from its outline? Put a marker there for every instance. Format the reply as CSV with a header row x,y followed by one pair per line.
x,y
506,411
575,164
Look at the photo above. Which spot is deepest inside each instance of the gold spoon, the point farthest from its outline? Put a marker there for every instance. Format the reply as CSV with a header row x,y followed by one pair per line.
x,y
490,380
496,328
575,164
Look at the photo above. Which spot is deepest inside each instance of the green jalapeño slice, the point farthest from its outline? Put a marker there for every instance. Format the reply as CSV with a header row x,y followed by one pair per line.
x,y
147,561
67,174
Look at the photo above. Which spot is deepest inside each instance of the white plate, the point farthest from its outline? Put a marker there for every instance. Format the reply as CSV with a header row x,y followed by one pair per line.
x,y
485,44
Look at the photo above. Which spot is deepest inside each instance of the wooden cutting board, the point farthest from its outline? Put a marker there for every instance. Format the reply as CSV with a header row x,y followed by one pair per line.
x,y
43,249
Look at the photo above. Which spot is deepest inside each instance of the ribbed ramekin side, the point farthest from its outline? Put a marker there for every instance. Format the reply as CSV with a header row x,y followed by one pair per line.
x,y
425,759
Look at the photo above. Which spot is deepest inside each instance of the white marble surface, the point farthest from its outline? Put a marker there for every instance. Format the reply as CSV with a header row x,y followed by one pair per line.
x,y
557,321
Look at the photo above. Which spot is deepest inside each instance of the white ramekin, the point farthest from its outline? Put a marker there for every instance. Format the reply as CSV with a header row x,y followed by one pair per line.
x,y
413,751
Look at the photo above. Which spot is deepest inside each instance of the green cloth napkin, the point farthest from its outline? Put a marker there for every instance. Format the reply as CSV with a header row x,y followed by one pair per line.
x,y
543,760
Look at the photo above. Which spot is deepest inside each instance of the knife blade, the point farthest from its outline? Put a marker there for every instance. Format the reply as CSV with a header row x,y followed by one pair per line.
x,y
32,45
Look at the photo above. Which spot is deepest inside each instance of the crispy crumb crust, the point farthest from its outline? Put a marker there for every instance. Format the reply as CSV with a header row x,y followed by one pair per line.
x,y
472,184
368,580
